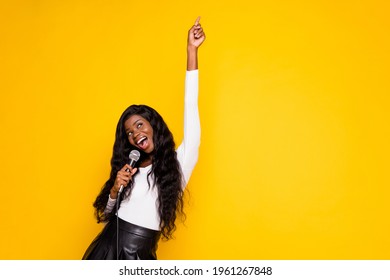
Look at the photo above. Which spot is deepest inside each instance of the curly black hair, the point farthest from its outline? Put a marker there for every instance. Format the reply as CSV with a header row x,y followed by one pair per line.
x,y
165,169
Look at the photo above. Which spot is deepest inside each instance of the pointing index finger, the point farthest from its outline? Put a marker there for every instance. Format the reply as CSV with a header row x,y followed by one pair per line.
x,y
197,20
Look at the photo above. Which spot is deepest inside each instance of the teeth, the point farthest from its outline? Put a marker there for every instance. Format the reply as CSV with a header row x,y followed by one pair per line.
x,y
140,140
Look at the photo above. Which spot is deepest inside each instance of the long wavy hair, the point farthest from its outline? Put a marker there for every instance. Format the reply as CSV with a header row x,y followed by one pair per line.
x,y
165,172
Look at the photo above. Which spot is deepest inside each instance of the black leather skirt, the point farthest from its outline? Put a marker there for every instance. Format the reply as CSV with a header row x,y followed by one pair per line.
x,y
134,243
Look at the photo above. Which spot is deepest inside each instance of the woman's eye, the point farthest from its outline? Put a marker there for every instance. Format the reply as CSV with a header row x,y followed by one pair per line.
x,y
130,133
139,125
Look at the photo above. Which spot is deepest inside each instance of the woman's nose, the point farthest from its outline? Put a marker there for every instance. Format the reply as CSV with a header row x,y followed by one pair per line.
x,y
135,134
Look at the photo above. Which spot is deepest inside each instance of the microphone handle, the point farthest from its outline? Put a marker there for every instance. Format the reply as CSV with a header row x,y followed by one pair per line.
x,y
132,164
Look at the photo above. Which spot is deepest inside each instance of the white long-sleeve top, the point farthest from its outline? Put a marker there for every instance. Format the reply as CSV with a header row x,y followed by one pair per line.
x,y
141,207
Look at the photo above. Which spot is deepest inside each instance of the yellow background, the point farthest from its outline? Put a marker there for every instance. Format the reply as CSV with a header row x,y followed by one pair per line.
x,y
294,104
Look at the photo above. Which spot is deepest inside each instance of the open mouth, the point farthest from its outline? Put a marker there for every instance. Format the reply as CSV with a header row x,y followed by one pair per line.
x,y
142,143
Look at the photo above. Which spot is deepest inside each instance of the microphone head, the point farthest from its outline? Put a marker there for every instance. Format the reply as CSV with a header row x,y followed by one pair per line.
x,y
134,155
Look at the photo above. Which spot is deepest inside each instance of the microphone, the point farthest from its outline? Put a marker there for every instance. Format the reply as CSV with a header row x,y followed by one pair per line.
x,y
134,157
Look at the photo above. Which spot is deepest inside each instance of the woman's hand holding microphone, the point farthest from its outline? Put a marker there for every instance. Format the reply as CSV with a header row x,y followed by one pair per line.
x,y
123,178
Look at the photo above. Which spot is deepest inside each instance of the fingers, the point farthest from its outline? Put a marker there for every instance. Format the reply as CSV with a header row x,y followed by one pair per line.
x,y
126,167
196,25
131,170
124,176
197,29
197,21
198,32
122,180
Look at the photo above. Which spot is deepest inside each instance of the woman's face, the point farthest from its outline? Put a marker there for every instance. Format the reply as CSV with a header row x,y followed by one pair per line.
x,y
140,133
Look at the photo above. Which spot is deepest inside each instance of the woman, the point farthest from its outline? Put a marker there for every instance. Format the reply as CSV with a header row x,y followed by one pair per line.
x,y
152,193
